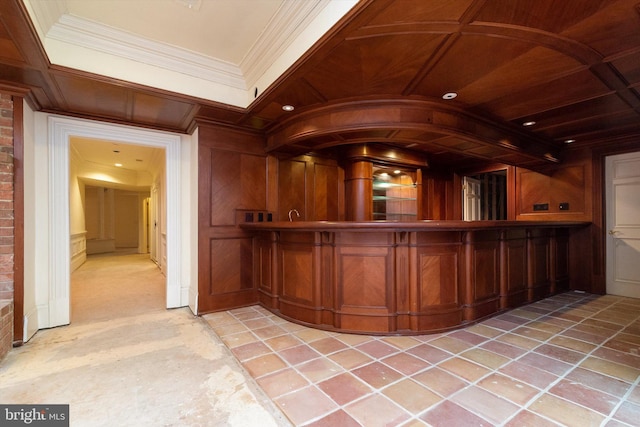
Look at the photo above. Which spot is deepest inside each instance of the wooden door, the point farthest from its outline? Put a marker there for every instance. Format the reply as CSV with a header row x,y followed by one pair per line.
x,y
623,224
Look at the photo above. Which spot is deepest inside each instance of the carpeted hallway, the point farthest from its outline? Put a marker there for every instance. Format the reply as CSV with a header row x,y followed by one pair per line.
x,y
125,360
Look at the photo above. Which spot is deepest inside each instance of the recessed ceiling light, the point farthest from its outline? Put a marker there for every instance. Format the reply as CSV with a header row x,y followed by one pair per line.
x,y
118,165
449,95
288,107
397,171
569,141
531,123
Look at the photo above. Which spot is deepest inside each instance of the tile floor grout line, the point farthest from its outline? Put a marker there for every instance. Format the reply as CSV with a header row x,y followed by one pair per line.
x,y
631,387
574,367
555,306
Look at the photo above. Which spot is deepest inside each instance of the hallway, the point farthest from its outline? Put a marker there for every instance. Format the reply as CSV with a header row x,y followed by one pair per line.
x,y
125,360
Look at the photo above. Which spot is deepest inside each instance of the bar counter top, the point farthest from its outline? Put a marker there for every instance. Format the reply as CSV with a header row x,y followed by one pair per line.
x,y
406,225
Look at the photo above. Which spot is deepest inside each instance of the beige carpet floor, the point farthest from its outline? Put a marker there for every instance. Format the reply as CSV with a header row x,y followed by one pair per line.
x,y
125,360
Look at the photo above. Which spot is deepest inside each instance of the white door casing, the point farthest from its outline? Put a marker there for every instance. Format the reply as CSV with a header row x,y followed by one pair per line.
x,y
60,130
622,181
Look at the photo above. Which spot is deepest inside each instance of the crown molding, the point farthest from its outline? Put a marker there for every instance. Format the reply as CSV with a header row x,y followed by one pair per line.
x,y
44,14
102,38
287,24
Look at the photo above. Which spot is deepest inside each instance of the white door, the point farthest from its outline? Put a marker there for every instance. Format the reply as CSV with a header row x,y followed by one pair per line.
x,y
471,199
623,224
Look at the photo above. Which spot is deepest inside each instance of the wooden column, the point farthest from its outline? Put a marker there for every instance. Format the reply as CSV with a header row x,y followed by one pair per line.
x,y
359,191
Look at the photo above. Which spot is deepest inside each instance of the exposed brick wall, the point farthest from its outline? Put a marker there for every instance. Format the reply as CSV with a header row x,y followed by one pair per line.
x,y
6,224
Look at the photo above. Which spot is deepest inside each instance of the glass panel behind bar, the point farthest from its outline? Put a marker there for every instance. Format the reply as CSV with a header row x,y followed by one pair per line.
x,y
394,195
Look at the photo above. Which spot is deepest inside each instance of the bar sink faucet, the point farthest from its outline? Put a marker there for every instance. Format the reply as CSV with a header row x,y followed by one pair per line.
x,y
293,211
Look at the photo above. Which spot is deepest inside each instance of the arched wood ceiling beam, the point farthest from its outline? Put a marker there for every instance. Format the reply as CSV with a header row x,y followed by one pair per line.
x,y
408,114
535,36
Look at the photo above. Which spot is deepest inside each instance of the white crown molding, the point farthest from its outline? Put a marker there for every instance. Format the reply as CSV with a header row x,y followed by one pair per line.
x,y
44,14
98,37
289,21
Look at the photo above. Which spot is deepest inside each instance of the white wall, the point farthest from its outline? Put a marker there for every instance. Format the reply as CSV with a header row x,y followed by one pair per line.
x,y
47,214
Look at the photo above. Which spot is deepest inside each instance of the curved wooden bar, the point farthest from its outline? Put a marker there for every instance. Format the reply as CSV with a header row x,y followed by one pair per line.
x,y
406,278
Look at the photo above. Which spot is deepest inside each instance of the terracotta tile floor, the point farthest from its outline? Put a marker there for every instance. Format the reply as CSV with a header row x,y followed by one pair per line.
x,y
570,360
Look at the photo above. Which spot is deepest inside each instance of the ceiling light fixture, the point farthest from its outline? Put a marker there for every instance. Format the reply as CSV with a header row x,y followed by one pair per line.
x,y
449,95
288,107
569,141
531,123
118,165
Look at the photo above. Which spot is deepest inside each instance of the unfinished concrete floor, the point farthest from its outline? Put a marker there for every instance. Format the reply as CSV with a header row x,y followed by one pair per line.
x,y
125,360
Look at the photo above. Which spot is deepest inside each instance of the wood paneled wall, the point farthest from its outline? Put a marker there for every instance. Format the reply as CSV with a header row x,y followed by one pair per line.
x,y
312,185
568,183
233,171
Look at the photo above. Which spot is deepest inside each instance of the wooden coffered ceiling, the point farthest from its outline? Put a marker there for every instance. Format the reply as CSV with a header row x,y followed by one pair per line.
x,y
379,75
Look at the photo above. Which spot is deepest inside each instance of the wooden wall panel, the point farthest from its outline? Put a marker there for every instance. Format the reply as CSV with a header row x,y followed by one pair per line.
x,y
539,278
221,287
328,190
314,186
569,183
438,278
534,188
560,258
296,267
264,248
363,274
513,271
292,175
481,273
437,196
231,176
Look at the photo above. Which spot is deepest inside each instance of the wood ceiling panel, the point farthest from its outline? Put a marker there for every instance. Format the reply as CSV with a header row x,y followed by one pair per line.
x,y
629,67
549,15
548,121
155,110
596,126
532,100
455,71
373,65
8,49
533,67
102,99
612,29
420,10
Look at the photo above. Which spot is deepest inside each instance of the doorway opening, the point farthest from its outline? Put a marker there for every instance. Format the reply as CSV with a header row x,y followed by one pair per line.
x,y
110,193
485,196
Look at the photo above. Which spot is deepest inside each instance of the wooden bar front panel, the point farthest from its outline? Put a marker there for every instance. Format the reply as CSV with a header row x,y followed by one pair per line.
x,y
436,299
365,268
396,281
